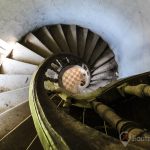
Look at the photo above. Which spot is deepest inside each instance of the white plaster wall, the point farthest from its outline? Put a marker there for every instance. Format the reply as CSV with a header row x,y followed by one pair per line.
x,y
124,24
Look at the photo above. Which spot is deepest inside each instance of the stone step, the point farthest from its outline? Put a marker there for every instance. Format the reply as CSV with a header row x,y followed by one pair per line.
x,y
91,42
103,75
81,37
13,82
20,137
35,144
47,39
71,37
33,43
12,98
107,55
59,36
10,66
99,84
12,117
102,81
106,67
5,48
26,55
100,48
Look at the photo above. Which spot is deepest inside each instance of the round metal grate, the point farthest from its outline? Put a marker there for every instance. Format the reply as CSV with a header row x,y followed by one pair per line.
x,y
75,79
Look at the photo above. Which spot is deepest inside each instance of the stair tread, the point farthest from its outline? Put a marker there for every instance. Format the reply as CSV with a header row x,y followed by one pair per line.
x,y
99,84
106,67
102,81
47,39
33,43
98,51
103,75
71,37
11,82
26,55
20,137
5,48
12,117
107,55
10,66
91,41
81,39
58,35
10,99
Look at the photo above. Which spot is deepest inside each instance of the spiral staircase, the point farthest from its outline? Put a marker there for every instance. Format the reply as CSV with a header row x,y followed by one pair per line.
x,y
20,60
124,25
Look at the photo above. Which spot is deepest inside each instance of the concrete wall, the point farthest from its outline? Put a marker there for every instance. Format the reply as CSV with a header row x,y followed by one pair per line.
x,y
124,24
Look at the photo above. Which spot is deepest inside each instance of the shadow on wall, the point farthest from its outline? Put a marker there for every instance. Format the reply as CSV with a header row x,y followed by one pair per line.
x,y
123,24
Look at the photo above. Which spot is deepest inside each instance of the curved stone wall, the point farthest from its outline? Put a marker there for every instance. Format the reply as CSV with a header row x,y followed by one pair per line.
x,y
124,24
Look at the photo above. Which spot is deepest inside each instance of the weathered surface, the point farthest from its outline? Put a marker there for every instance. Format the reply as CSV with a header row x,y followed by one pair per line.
x,y
11,118
123,24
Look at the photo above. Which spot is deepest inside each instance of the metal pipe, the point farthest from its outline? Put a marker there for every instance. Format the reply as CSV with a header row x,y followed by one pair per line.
x,y
121,125
140,90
